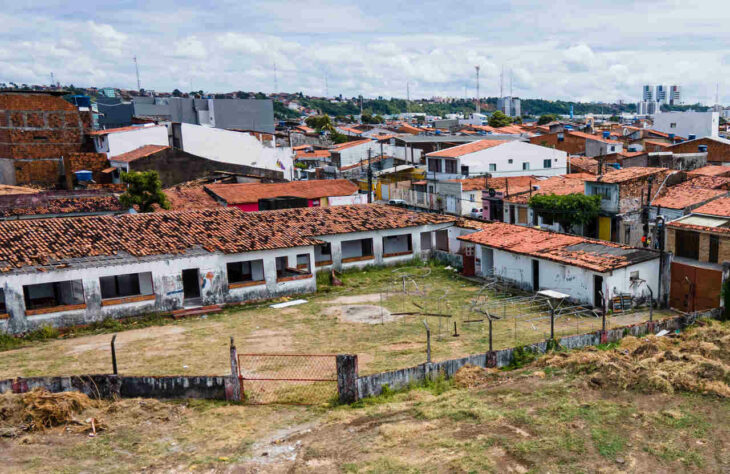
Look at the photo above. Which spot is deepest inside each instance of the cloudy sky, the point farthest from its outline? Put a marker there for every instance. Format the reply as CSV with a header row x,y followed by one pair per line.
x,y
561,49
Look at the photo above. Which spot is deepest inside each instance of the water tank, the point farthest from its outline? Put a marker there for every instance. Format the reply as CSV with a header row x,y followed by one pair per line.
x,y
671,136
691,136
606,135
83,176
702,148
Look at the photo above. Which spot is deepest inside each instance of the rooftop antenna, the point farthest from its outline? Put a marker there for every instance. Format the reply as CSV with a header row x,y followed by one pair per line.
x,y
53,80
136,68
276,80
478,101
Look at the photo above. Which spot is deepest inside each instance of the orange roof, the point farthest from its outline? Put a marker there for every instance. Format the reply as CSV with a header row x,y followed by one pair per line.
x,y
386,136
588,136
515,184
361,163
138,153
343,146
188,198
301,147
351,130
467,148
681,197
660,144
718,207
584,163
509,129
596,255
243,193
122,129
6,189
559,185
627,174
484,128
304,129
409,129
711,170
313,154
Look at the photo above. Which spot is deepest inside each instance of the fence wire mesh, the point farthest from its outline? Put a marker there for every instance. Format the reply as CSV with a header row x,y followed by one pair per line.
x,y
299,379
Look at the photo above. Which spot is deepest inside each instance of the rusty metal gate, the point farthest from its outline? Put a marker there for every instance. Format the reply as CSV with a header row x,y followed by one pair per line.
x,y
300,379
694,288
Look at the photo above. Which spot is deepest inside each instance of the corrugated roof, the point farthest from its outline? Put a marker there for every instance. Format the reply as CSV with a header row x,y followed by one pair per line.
x,y
628,174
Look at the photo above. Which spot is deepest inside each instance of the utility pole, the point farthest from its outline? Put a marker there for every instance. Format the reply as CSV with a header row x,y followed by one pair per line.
x,y
370,178
136,68
645,216
479,108
53,81
360,108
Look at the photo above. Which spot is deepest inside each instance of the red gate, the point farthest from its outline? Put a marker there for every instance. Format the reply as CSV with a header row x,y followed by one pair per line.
x,y
300,379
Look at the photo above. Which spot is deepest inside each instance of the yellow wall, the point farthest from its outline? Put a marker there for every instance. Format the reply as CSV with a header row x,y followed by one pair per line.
x,y
604,228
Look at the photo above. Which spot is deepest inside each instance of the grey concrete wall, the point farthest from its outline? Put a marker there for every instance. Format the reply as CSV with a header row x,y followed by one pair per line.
x,y
372,385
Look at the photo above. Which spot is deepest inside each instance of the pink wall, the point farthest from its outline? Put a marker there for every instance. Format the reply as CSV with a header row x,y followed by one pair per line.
x,y
248,207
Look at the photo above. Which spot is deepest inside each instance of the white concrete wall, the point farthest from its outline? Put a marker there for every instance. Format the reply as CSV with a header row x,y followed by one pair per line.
x,y
122,142
235,147
167,283
701,124
356,154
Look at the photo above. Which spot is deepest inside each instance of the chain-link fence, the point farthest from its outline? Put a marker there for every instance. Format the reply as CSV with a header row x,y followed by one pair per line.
x,y
300,379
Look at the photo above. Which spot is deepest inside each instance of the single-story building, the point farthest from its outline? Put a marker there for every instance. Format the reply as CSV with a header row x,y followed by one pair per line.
x,y
80,270
590,271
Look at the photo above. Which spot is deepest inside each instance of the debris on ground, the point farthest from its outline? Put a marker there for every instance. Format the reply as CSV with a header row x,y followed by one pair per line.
x,y
473,376
40,409
695,361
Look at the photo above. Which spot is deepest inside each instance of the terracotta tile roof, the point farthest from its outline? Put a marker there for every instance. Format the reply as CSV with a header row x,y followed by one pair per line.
x,y
484,128
656,143
362,163
465,149
628,174
588,136
189,198
6,189
138,153
351,130
121,129
516,184
711,170
650,131
559,185
510,129
228,231
313,154
301,147
630,154
682,197
706,182
584,163
58,203
251,192
718,207
304,129
386,136
409,129
701,228
596,255
343,146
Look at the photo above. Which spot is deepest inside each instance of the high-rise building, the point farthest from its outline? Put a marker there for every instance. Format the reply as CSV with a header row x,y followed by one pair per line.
x,y
648,94
646,107
675,95
661,94
510,106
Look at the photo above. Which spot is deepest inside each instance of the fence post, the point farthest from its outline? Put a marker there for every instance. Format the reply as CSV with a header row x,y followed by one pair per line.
x,y
347,378
114,355
233,383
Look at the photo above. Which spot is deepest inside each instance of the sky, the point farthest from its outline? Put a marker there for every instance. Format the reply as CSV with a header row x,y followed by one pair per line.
x,y
561,49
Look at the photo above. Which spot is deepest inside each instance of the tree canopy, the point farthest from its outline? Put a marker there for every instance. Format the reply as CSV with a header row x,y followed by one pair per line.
x,y
143,191
499,119
566,209
547,118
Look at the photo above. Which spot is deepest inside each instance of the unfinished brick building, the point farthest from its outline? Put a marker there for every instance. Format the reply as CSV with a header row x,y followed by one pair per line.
x,y
36,131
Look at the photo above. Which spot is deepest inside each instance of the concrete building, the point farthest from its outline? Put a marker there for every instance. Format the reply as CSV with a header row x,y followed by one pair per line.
x,y
648,93
510,106
684,124
117,141
93,268
716,148
579,143
662,95
355,152
675,95
590,271
499,158
646,108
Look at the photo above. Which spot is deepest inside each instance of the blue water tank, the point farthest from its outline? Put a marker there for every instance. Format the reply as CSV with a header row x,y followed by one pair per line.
x,y
438,132
691,136
606,135
83,175
702,148
81,101
671,136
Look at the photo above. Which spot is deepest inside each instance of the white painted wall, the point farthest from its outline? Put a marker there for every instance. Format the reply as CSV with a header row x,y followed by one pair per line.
x,y
683,124
356,154
235,147
116,143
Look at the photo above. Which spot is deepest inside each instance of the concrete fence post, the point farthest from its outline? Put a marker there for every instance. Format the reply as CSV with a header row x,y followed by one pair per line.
x,y
347,378
233,383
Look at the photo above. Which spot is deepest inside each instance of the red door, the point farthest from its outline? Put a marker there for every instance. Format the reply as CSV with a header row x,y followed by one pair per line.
x,y
469,261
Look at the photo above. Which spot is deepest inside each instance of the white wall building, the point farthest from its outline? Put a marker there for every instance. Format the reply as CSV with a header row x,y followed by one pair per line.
x,y
684,124
115,141
235,147
497,157
351,153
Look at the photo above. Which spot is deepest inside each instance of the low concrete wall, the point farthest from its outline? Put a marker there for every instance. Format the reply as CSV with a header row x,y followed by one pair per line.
x,y
110,386
372,385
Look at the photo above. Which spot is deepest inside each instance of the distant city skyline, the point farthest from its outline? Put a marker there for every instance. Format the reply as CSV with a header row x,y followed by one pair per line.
x,y
370,48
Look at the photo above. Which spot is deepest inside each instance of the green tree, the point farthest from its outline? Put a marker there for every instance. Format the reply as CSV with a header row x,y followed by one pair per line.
x,y
547,118
499,119
144,189
614,118
319,122
176,93
567,209
338,137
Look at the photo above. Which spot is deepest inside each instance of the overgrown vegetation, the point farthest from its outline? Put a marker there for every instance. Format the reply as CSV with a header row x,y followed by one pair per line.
x,y
144,191
566,209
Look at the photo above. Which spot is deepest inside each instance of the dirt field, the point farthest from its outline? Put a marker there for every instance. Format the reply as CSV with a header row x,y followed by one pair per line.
x,y
551,416
361,317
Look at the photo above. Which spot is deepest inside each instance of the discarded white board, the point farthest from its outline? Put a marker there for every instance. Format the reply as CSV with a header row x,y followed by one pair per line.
x,y
661,333
287,303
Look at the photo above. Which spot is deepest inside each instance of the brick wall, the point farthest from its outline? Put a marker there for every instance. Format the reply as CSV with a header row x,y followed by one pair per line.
x,y
704,248
671,241
724,250
46,172
631,192
716,152
94,162
571,144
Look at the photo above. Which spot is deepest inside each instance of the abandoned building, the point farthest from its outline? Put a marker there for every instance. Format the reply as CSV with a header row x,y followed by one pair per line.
x,y
700,243
38,129
590,271
73,271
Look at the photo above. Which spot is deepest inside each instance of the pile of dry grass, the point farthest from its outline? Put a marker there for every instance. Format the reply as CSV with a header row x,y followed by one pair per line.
x,y
695,361
40,409
473,376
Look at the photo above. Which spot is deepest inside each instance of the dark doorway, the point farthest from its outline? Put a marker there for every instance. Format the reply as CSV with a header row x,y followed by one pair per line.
x,y
191,283
536,275
597,291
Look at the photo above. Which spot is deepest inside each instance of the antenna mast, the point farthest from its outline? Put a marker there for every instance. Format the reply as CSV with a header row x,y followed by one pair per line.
x,y
136,68
479,105
53,80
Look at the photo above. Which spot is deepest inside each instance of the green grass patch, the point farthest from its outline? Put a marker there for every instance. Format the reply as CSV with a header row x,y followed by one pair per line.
x,y
608,443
